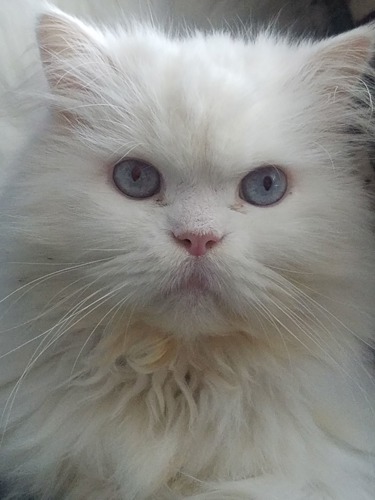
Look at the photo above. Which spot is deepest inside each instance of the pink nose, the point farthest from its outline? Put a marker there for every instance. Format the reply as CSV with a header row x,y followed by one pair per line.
x,y
197,244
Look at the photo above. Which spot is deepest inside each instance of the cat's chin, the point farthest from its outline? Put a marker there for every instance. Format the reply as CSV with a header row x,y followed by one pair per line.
x,y
191,311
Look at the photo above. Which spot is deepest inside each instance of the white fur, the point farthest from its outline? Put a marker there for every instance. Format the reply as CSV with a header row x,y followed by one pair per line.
x,y
115,384
19,60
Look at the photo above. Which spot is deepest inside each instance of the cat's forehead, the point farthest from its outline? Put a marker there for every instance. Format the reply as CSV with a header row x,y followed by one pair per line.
x,y
207,64
202,98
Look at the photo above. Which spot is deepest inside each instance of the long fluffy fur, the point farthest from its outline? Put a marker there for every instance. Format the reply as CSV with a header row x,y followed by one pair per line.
x,y
115,384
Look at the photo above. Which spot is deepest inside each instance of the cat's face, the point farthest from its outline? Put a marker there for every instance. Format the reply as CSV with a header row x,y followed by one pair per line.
x,y
207,171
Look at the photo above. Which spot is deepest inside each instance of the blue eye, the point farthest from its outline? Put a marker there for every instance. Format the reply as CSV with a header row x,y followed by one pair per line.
x,y
136,178
264,186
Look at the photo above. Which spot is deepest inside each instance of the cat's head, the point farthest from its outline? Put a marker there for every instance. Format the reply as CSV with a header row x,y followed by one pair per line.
x,y
216,175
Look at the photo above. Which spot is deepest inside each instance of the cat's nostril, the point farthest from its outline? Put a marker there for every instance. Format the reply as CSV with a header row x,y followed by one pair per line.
x,y
197,244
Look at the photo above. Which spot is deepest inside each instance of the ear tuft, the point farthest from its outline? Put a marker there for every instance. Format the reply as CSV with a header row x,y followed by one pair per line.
x,y
347,55
59,35
64,44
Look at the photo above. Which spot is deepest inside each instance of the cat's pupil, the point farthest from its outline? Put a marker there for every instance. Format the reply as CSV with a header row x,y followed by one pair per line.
x,y
267,183
136,173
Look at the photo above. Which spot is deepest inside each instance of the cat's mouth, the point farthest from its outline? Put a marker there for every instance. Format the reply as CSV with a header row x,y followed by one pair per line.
x,y
196,282
197,279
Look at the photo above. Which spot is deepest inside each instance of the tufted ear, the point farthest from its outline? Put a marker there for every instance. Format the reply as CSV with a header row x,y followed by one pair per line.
x,y
343,59
71,52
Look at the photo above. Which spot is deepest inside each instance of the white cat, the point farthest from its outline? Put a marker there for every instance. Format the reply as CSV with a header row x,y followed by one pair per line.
x,y
187,271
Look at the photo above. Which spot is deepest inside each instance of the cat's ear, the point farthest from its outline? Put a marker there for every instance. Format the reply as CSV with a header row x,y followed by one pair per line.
x,y
71,52
341,61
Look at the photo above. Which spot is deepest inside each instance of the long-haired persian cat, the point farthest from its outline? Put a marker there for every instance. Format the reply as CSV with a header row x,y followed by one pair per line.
x,y
187,257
